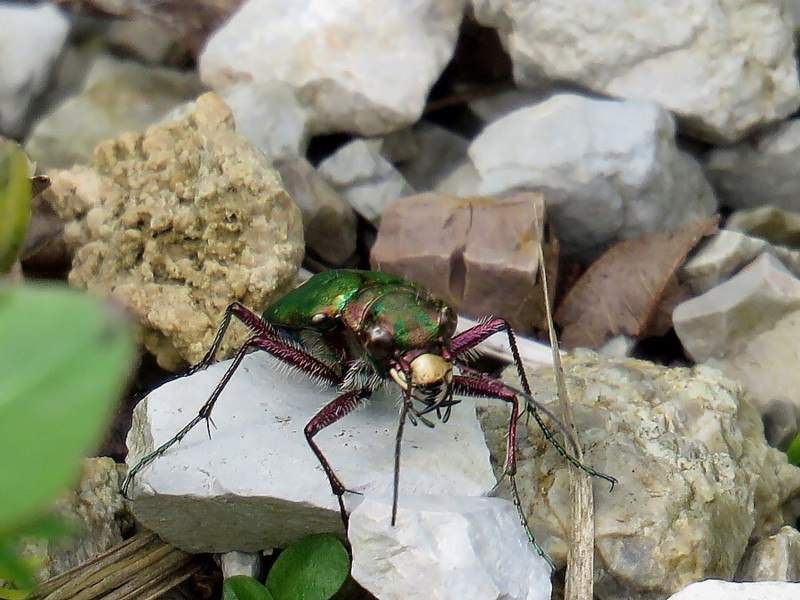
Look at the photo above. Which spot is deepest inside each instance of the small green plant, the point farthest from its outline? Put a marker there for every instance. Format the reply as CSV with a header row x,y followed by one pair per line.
x,y
312,569
15,203
793,451
63,362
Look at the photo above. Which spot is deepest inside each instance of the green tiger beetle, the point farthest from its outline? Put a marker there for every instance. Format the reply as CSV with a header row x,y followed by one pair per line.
x,y
358,330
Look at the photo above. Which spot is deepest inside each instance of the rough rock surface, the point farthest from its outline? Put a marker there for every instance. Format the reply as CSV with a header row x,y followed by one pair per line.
x,y
717,323
725,67
611,170
445,548
328,221
31,39
726,253
714,589
363,67
769,223
177,223
775,558
256,483
688,449
759,172
95,509
368,181
117,96
478,254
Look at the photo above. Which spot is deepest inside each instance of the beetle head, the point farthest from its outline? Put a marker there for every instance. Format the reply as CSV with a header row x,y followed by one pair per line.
x,y
430,375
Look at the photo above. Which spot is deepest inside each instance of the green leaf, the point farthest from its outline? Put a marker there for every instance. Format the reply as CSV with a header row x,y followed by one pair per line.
x,y
63,362
13,594
15,203
312,569
242,587
793,451
14,568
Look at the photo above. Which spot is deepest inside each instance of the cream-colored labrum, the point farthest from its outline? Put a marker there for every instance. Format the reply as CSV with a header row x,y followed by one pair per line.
x,y
431,376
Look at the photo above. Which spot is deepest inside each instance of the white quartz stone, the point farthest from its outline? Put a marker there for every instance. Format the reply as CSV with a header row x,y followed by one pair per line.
x,y
256,484
445,548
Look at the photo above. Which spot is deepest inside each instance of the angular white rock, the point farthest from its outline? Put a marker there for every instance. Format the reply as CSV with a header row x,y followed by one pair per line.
x,y
440,152
610,170
725,67
776,558
759,172
717,323
256,484
270,116
445,548
31,39
235,563
368,181
714,589
362,66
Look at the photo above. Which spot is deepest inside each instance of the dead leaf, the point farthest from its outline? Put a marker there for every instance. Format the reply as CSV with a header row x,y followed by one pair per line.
x,y
621,292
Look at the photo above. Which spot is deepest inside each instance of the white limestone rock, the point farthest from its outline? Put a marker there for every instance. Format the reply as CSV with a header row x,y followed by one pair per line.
x,y
765,362
365,178
776,558
329,223
31,39
117,96
445,548
440,153
361,66
714,589
610,170
759,172
725,67
256,484
697,481
718,323
270,116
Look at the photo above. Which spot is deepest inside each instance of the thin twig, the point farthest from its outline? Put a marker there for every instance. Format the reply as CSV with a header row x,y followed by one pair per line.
x,y
579,582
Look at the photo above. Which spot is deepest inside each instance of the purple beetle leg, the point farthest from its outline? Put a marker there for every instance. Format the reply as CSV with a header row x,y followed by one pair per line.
x,y
328,415
487,387
291,356
252,321
491,388
472,337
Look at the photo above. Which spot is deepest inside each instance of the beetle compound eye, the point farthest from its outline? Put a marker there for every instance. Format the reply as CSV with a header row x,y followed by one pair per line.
x,y
378,343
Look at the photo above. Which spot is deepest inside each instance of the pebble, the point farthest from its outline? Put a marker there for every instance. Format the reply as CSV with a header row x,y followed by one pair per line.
x,y
760,171
117,96
724,67
361,66
255,484
33,37
366,179
611,170
477,254
178,222
445,548
697,481
775,558
329,224
718,322
714,589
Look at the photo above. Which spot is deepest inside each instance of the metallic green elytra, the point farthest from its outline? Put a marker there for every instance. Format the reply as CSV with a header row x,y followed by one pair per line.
x,y
384,314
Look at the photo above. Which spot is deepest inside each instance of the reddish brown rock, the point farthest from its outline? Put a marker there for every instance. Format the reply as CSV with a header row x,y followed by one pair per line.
x,y
479,254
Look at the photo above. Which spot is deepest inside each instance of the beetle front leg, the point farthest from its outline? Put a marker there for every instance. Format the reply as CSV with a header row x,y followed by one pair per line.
x,y
291,356
491,388
328,415
252,321
470,338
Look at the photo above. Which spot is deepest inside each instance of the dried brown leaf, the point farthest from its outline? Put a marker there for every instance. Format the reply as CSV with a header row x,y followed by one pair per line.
x,y
622,290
